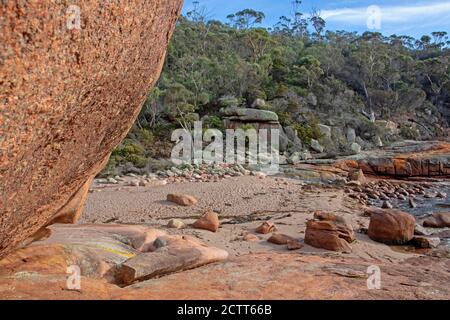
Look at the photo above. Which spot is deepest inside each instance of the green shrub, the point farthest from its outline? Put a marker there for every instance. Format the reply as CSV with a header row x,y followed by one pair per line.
x,y
285,118
408,132
304,132
137,160
146,137
213,122
309,130
130,151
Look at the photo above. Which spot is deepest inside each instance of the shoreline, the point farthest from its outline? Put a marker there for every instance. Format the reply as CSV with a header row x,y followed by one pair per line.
x,y
242,204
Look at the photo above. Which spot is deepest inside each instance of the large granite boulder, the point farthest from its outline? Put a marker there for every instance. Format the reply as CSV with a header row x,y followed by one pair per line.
x,y
73,80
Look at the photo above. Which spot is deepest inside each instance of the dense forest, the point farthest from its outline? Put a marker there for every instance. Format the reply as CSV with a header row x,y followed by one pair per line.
x,y
307,75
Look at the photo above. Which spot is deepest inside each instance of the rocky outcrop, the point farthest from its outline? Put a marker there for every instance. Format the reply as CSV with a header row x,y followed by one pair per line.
x,y
235,118
73,81
390,226
406,159
249,115
330,232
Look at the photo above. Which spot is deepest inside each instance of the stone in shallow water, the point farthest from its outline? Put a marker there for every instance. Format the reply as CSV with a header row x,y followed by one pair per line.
x,y
441,195
386,205
412,203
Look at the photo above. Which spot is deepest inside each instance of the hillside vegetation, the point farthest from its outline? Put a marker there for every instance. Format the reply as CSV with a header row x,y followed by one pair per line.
x,y
307,75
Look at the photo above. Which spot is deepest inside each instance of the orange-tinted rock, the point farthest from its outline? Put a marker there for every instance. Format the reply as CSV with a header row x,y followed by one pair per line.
x,y
426,159
182,199
250,237
209,221
70,92
279,238
266,227
438,220
390,226
330,232
179,253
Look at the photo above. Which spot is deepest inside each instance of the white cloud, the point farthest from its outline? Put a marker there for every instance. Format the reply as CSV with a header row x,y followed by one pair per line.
x,y
389,14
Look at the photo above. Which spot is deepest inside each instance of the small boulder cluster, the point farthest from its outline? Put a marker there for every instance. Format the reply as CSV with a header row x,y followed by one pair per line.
x,y
204,172
132,180
267,227
367,193
208,221
324,231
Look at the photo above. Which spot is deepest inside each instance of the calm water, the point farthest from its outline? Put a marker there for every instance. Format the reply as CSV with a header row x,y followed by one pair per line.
x,y
425,206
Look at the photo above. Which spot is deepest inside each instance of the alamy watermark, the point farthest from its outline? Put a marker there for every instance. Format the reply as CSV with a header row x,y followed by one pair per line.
x,y
73,14
374,279
74,279
252,147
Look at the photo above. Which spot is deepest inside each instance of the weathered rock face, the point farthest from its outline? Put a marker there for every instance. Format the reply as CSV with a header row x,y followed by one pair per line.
x,y
68,96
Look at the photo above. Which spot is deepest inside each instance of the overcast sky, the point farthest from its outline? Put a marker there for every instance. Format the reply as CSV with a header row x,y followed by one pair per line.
x,y
401,17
